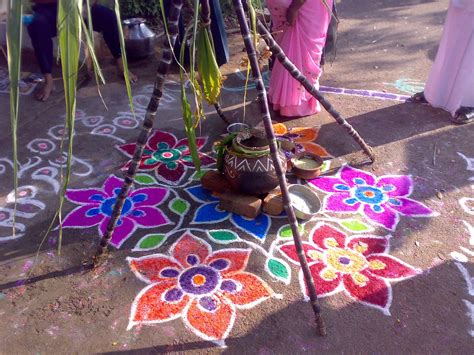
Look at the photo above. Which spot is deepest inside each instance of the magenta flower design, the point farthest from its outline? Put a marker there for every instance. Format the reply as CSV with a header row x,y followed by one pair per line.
x,y
361,266
168,157
139,209
381,199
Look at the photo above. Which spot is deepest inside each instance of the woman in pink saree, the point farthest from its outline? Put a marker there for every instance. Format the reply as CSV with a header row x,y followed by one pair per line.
x,y
300,28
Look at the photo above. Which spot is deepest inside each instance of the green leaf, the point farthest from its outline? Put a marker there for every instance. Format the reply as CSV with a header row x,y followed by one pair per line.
x,y
124,56
150,241
179,206
188,116
223,236
145,179
279,269
326,166
199,174
14,34
209,72
285,231
69,40
354,225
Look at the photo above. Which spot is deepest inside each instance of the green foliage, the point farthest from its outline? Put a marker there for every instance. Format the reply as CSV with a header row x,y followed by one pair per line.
x,y
15,11
69,34
228,9
140,8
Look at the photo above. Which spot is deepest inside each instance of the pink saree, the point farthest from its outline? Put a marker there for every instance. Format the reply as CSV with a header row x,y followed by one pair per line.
x,y
303,43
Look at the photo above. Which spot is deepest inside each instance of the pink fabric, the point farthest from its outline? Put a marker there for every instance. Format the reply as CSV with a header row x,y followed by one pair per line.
x,y
450,84
303,43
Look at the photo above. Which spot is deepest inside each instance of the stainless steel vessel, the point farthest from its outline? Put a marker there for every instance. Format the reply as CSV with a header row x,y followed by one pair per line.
x,y
139,39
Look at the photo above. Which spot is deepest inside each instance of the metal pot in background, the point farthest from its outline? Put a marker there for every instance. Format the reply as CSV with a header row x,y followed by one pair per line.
x,y
139,39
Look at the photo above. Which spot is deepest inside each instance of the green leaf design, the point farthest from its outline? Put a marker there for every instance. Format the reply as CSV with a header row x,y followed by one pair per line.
x,y
199,174
150,241
285,231
279,270
326,166
179,206
223,236
354,225
145,179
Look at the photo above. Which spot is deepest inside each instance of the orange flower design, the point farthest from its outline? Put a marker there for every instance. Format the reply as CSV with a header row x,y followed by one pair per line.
x,y
202,287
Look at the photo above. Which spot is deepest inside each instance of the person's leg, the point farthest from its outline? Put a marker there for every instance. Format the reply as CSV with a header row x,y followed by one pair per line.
x,y
105,21
41,31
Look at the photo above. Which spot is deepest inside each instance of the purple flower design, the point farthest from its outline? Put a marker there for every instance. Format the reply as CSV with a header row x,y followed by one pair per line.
x,y
139,209
381,199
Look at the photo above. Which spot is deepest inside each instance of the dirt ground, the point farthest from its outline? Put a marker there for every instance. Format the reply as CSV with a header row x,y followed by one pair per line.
x,y
421,293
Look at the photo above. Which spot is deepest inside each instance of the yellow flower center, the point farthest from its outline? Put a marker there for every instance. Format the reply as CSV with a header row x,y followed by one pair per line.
x,y
345,261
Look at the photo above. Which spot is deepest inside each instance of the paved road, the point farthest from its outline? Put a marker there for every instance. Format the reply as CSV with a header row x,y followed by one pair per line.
x,y
395,273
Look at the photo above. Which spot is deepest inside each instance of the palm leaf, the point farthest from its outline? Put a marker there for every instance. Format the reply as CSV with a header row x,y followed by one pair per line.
x,y
208,68
124,56
187,114
15,11
89,41
69,34
89,35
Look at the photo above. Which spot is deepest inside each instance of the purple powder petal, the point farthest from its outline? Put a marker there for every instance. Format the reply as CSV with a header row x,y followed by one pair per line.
x,y
219,264
169,273
208,303
229,286
173,295
192,259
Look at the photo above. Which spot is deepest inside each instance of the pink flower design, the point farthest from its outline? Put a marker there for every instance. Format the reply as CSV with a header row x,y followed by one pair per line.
x,y
381,199
167,156
139,209
202,287
358,265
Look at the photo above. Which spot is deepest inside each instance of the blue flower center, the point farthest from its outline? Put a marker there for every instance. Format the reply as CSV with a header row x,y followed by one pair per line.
x,y
369,194
107,206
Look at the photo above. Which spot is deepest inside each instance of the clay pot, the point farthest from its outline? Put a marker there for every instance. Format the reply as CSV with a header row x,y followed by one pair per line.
x,y
309,172
251,173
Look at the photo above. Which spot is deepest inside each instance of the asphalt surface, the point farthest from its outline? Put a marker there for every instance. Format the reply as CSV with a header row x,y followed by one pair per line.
x,y
51,303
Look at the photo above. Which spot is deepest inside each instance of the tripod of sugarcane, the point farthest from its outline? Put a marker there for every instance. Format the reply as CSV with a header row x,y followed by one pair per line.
x,y
152,110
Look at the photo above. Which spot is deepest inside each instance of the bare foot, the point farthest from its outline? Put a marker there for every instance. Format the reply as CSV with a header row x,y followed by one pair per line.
x,y
133,78
45,91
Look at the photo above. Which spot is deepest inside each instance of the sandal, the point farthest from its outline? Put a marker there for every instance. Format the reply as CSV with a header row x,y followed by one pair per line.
x,y
463,115
418,98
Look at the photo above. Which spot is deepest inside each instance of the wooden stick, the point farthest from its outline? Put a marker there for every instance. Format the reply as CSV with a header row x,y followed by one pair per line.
x,y
151,111
262,94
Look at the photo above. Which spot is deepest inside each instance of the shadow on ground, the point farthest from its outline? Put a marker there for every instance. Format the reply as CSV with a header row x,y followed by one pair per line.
x,y
420,307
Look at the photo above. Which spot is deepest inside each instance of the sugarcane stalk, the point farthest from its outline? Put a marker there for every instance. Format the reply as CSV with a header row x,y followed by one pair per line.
x,y
221,113
262,94
151,111
296,73
205,13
